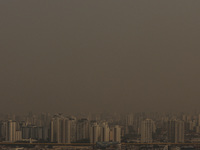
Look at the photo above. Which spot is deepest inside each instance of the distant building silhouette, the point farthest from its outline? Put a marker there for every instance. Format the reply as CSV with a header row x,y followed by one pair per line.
x,y
147,129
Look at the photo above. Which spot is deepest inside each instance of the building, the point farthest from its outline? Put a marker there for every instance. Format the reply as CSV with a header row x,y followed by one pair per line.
x,y
32,132
115,134
176,131
82,130
65,131
104,132
129,123
129,120
18,136
60,129
3,130
72,129
11,131
137,123
94,133
147,129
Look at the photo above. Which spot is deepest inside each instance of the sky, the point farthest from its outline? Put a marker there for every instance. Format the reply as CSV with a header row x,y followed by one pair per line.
x,y
106,55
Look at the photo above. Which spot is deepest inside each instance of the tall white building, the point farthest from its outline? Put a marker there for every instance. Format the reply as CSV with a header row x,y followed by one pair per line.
x,y
115,134
11,131
94,133
147,129
104,132
55,130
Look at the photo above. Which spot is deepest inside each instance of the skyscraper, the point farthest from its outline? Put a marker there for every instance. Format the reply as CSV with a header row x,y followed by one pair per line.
x,y
129,123
104,132
147,129
94,133
176,131
72,129
11,131
129,120
116,134
82,130
55,130
3,129
60,129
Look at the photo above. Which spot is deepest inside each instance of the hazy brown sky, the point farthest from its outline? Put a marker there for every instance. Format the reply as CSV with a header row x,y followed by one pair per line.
x,y
69,55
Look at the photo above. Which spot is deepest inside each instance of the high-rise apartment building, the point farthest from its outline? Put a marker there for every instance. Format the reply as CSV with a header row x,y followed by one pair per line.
x,y
116,134
3,129
176,131
60,129
104,132
129,123
82,130
33,132
11,131
147,129
137,123
129,120
72,129
18,136
94,133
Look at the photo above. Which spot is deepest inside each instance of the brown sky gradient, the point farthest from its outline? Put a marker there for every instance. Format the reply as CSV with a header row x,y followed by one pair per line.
x,y
128,55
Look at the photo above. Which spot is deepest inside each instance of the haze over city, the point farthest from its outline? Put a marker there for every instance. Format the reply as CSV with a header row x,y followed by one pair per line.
x,y
118,56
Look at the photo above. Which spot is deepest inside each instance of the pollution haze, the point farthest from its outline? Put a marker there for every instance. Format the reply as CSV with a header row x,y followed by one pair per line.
x,y
107,55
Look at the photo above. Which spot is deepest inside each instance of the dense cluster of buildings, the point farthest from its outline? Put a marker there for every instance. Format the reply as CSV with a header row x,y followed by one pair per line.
x,y
67,130
101,127
59,129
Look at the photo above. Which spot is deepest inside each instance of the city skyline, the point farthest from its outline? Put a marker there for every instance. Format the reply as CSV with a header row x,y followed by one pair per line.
x,y
99,74
105,130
